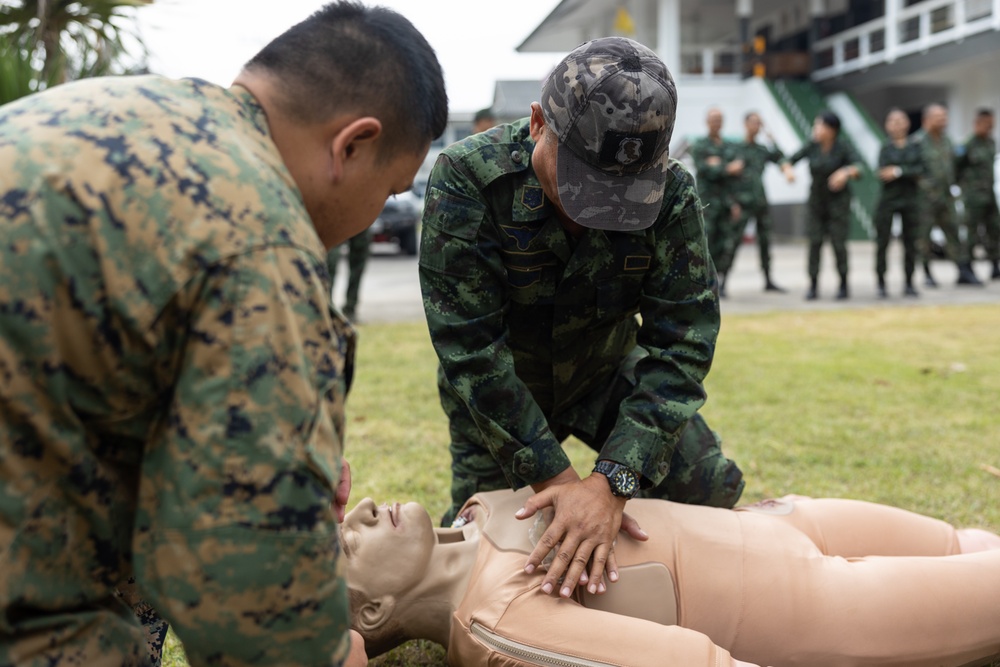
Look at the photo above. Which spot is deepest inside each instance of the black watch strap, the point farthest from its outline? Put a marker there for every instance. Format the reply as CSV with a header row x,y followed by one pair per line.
x,y
623,480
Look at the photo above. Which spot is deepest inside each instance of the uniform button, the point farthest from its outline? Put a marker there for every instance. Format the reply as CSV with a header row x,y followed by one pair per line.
x,y
516,157
525,468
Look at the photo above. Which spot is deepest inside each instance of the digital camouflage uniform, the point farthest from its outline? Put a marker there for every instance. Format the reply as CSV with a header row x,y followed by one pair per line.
x,y
172,384
937,204
829,212
715,189
898,196
974,167
358,250
750,195
537,335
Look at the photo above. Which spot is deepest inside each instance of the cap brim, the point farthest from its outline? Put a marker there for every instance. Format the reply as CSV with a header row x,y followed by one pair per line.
x,y
594,198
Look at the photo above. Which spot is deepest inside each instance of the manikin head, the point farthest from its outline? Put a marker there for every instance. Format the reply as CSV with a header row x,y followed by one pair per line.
x,y
405,575
897,124
353,95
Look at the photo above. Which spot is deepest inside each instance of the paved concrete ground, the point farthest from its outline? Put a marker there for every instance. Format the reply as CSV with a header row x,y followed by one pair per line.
x,y
390,291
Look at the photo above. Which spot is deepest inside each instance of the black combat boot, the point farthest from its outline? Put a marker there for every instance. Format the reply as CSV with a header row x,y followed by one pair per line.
x,y
769,285
996,271
910,289
842,292
882,294
813,293
928,278
966,276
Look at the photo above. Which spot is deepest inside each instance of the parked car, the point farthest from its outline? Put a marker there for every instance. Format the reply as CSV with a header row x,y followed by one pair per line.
x,y
398,222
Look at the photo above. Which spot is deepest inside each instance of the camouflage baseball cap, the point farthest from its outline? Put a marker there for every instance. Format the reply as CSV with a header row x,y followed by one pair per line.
x,y
612,104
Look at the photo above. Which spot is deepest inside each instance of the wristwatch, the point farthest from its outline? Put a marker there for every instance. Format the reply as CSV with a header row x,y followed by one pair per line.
x,y
623,480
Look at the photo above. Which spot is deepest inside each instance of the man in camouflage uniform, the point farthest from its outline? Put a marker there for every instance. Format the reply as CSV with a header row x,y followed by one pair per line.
x,y
937,204
899,167
974,167
542,240
749,193
718,165
358,250
172,379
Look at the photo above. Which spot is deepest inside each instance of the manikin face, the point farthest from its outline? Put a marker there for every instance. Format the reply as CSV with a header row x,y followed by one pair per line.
x,y
897,124
388,547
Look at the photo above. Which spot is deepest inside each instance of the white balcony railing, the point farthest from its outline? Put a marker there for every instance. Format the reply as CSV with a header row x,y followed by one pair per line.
x,y
710,61
914,29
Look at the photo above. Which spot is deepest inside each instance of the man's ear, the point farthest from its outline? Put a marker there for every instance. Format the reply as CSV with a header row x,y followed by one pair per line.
x,y
351,142
537,122
374,613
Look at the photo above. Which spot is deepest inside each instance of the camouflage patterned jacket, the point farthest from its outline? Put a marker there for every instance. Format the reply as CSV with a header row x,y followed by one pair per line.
x,y
526,321
714,184
939,162
749,185
903,189
171,382
974,169
822,165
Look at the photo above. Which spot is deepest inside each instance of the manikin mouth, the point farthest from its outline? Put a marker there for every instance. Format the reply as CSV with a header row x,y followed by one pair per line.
x,y
394,514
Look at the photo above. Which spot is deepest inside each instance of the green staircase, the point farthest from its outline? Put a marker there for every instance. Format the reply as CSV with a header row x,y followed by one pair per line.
x,y
802,101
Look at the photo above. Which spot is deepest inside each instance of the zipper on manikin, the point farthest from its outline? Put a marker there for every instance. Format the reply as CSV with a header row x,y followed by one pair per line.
x,y
529,653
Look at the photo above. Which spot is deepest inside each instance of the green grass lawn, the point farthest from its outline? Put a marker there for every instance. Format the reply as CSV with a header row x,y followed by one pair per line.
x,y
892,405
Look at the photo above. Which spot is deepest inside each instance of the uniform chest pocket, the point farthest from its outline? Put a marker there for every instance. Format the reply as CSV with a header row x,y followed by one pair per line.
x,y
532,278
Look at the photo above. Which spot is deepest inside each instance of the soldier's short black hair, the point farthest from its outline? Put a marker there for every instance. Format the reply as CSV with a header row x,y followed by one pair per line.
x,y
984,111
484,114
750,114
830,119
347,58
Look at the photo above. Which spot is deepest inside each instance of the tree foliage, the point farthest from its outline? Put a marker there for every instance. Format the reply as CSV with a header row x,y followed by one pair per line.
x,y
63,40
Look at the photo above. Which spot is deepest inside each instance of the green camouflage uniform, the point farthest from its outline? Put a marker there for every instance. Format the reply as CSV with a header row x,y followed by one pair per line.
x,y
898,196
715,189
537,335
358,249
829,212
172,383
750,195
974,167
937,204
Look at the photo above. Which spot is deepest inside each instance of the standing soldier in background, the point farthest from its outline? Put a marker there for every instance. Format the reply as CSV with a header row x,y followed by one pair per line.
x,y
717,165
483,120
750,193
358,250
899,166
937,204
974,169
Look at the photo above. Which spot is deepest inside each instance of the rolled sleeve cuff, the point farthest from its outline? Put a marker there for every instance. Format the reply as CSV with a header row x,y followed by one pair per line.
x,y
537,462
646,451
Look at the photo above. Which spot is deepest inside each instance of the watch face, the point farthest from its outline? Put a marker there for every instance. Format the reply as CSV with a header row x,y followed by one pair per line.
x,y
625,483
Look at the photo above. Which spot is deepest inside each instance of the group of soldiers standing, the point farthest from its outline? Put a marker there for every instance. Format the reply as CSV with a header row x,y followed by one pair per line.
x,y
731,189
921,176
